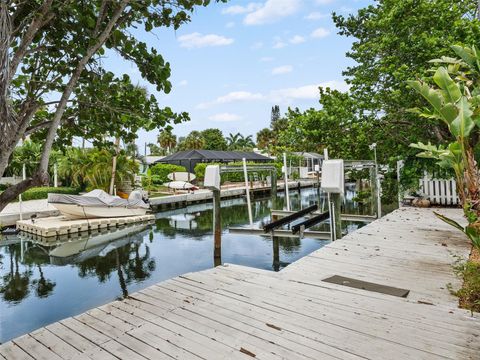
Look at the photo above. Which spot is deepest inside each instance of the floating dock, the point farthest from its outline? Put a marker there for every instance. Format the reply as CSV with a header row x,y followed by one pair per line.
x,y
301,312
60,226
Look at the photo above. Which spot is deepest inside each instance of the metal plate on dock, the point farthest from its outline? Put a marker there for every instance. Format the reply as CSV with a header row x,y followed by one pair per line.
x,y
365,285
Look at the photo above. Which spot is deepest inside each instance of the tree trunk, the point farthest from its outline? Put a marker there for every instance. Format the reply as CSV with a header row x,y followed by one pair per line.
x,y
20,124
114,165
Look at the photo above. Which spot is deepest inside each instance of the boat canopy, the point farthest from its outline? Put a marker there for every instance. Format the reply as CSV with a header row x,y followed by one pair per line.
x,y
100,198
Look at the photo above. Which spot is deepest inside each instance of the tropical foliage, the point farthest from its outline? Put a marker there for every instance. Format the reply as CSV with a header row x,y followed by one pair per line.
x,y
193,141
160,172
238,142
237,176
453,95
167,140
52,53
213,139
92,168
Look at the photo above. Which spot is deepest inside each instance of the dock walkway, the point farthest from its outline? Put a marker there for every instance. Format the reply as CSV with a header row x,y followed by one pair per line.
x,y
235,312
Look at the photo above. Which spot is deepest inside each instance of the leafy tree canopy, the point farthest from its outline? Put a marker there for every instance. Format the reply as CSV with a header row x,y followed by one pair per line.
x,y
214,139
51,47
394,41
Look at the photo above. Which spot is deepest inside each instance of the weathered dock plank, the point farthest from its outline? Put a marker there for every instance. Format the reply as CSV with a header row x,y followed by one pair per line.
x,y
235,312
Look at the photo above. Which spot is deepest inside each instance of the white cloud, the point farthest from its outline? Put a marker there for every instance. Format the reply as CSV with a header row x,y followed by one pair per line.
x,y
237,9
266,59
316,16
257,45
279,44
225,117
197,40
271,11
320,33
230,24
306,92
279,70
297,39
232,97
183,83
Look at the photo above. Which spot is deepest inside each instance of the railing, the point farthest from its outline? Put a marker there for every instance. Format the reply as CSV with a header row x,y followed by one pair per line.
x,y
439,191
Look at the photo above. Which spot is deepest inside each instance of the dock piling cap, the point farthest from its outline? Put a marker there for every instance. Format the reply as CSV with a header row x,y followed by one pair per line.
x,y
333,178
212,177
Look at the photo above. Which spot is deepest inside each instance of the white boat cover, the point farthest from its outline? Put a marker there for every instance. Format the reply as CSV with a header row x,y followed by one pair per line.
x,y
179,185
99,197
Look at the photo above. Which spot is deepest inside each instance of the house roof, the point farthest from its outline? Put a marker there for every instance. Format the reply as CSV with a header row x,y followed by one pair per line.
x,y
214,155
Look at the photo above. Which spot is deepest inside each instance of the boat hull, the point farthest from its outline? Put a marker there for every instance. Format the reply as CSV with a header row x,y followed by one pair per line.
x,y
74,211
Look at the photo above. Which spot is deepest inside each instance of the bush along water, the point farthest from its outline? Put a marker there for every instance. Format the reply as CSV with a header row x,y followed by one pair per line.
x,y
237,176
38,193
159,172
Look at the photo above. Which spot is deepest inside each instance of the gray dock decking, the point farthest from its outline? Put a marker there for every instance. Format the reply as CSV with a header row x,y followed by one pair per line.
x,y
232,312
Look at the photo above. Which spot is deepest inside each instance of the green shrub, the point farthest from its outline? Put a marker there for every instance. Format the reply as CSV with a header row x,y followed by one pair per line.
x,y
469,294
160,171
238,176
42,192
4,187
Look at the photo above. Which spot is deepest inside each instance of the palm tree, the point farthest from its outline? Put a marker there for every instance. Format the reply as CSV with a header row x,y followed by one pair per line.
x,y
246,143
264,138
92,168
167,140
232,141
193,141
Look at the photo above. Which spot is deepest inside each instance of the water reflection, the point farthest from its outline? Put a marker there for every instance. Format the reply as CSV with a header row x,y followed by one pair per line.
x,y
45,281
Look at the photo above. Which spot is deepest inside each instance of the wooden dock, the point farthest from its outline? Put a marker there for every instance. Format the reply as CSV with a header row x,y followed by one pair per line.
x,y
60,226
235,312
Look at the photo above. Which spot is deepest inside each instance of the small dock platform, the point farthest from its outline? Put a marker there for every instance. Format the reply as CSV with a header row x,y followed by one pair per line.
x,y
236,312
59,225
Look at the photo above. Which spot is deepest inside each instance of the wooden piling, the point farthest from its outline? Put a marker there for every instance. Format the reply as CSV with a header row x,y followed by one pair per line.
x,y
374,191
276,253
217,226
336,204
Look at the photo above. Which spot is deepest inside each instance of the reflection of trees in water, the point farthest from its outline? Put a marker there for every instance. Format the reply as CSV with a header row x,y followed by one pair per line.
x,y
23,276
232,215
43,287
287,244
17,283
127,261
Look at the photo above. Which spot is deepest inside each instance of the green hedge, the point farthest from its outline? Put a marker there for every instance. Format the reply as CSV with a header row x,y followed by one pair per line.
x,y
238,176
42,192
159,172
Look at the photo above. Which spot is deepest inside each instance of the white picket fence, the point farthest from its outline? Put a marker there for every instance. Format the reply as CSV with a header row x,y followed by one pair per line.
x,y
439,191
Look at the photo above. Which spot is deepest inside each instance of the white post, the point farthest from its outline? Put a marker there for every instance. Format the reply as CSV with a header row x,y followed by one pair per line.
x,y
20,204
247,191
331,208
285,171
399,172
377,179
55,175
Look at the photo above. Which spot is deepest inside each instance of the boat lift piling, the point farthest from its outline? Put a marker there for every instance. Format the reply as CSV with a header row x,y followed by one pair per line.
x,y
247,191
285,171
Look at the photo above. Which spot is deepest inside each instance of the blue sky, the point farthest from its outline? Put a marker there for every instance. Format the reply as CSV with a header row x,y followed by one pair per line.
x,y
234,61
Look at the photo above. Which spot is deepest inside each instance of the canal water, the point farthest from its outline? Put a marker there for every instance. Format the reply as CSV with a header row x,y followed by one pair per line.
x,y
41,283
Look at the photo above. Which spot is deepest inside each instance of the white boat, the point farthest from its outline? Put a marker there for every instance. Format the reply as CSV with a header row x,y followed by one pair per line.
x,y
181,176
180,185
98,204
